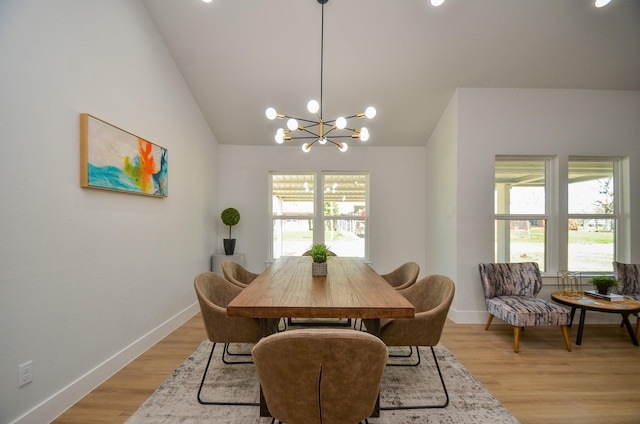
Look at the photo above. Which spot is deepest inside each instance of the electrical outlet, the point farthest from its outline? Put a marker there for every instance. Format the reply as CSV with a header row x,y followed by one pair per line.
x,y
25,373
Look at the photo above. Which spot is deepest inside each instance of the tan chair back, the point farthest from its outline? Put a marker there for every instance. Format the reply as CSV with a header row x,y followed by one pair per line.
x,y
313,376
237,274
432,297
403,276
214,294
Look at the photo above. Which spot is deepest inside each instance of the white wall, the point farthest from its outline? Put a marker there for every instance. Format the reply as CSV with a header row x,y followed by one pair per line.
x,y
559,123
397,212
89,279
442,199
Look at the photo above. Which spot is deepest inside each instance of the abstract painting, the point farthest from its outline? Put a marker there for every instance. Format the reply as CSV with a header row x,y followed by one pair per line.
x,y
114,159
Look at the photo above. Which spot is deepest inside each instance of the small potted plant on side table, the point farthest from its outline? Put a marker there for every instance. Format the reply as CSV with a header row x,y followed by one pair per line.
x,y
319,253
604,284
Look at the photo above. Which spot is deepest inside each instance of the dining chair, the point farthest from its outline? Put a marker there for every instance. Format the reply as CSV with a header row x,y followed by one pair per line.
x,y
431,297
400,278
628,277
403,276
316,384
214,294
237,274
510,291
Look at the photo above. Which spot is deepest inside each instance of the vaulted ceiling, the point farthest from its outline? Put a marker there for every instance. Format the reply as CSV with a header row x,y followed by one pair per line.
x,y
405,57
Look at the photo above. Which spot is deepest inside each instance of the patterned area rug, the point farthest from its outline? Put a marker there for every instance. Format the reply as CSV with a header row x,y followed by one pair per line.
x,y
175,400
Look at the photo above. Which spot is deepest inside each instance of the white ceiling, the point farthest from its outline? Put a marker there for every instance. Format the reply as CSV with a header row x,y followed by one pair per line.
x,y
405,57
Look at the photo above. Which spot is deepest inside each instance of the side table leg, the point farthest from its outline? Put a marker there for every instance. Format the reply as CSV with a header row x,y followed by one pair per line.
x,y
632,334
583,313
573,312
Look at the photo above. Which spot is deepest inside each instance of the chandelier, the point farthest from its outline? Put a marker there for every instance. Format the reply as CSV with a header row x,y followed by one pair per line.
x,y
320,130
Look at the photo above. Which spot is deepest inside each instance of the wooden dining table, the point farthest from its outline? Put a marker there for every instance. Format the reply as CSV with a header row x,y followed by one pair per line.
x,y
351,289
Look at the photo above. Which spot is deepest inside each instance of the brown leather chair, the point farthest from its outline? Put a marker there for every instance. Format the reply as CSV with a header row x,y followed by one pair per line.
x,y
214,294
404,276
316,384
431,297
237,274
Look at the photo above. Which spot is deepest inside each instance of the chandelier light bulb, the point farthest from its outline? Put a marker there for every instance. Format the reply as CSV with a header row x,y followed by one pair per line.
x,y
343,147
306,147
602,3
370,112
322,140
271,113
341,123
364,134
436,2
292,124
279,136
313,106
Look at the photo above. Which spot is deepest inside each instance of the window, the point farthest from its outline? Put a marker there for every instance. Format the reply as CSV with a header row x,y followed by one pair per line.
x,y
592,215
531,218
521,210
328,208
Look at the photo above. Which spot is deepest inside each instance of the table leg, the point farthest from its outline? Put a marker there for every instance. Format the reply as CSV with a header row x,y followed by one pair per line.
x,y
583,313
573,312
632,334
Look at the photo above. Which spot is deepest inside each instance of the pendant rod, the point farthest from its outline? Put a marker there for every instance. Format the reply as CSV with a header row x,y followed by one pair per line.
x,y
321,58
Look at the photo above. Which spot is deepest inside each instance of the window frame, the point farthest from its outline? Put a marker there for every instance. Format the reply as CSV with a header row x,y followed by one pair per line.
x,y
557,208
318,217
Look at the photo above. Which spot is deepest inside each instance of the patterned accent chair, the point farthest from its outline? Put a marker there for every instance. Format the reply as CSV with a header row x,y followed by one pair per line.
x,y
628,276
510,291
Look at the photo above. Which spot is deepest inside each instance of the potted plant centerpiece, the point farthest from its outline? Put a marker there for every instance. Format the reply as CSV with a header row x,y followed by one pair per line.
x,y
230,217
603,283
319,253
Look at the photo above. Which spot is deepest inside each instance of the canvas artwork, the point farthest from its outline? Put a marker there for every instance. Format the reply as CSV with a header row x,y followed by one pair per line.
x,y
114,159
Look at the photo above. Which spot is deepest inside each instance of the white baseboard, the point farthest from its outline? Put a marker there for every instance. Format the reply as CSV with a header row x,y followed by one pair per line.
x,y
59,402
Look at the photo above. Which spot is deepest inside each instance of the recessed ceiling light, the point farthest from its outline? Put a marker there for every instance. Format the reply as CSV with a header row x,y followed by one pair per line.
x,y
436,2
208,1
602,3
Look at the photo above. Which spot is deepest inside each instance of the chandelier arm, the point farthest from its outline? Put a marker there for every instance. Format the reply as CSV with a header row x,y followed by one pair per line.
x,y
300,119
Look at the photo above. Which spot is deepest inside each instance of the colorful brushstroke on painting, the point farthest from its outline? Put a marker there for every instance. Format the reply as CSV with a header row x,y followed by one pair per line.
x,y
118,160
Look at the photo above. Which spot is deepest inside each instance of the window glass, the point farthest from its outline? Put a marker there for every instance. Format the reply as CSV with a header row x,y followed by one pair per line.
x,y
330,208
520,209
592,213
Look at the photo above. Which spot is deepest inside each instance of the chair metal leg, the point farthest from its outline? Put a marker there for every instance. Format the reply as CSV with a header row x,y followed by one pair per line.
x,y
403,356
204,376
516,338
444,387
225,353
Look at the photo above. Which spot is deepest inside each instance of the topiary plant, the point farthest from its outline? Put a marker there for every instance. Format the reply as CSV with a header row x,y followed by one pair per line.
x,y
230,217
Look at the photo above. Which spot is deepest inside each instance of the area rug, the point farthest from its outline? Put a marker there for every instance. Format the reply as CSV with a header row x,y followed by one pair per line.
x,y
175,400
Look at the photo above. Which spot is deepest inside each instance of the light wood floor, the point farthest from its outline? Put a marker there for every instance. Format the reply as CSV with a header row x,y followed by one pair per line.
x,y
598,382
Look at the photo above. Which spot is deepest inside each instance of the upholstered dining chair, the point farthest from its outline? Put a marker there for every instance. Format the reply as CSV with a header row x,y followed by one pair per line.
x,y
403,276
628,277
237,274
316,385
431,297
214,294
510,291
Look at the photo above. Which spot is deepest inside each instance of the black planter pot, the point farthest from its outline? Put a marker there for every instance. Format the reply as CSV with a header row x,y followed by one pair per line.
x,y
229,246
